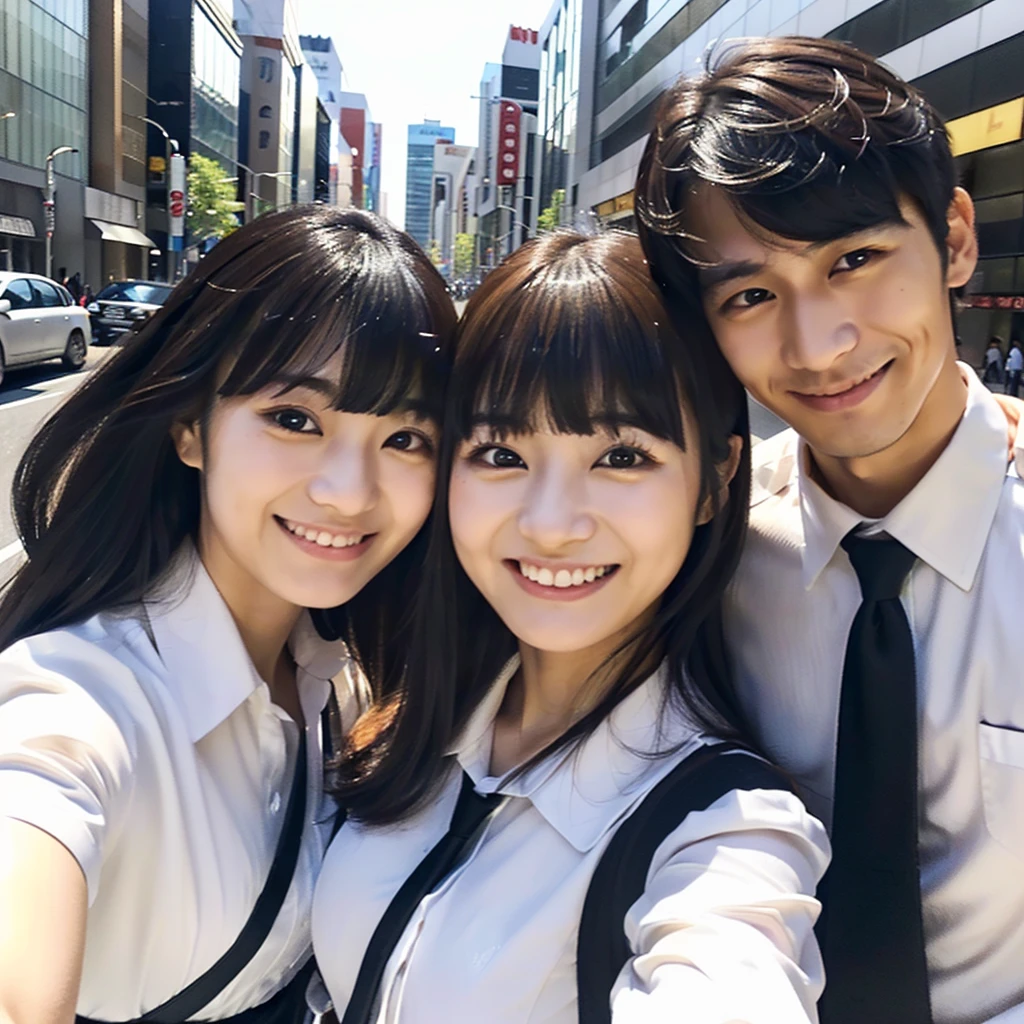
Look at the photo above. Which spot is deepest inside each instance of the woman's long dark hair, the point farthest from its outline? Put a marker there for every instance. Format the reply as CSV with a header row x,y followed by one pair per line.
x,y
101,500
568,329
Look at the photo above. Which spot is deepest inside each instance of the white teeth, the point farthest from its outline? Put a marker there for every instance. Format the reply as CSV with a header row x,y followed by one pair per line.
x,y
322,538
563,578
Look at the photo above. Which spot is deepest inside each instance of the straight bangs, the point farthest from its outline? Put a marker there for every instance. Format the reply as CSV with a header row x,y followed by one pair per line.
x,y
554,340
363,292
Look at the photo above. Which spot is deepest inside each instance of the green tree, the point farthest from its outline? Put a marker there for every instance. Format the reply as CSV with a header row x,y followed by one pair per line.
x,y
434,252
463,257
211,200
551,216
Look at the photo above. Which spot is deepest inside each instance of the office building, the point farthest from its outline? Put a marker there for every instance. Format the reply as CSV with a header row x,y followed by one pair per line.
x,y
509,92
268,95
451,213
357,131
116,244
44,83
560,60
419,168
322,58
195,60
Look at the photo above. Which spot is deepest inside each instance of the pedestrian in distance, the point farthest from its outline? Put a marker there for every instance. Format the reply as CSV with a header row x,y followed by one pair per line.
x,y
802,199
1014,367
992,367
223,527
568,689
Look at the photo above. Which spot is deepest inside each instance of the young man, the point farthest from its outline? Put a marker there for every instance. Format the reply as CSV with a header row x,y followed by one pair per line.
x,y
804,200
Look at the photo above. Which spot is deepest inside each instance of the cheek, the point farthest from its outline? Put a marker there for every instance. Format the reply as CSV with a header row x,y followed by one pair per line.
x,y
475,513
749,349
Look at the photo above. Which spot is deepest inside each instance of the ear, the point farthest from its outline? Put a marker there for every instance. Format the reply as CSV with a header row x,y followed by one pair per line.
x,y
726,471
961,242
188,443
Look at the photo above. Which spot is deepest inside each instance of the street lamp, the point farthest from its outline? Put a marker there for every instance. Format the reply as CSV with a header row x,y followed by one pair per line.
x,y
169,143
48,204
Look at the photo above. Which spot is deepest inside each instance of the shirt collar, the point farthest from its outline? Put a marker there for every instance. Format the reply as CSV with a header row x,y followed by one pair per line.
x,y
208,668
583,792
945,520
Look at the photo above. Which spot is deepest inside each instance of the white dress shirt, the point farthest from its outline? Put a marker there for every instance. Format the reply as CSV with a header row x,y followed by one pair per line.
x,y
789,613
1015,360
165,770
724,928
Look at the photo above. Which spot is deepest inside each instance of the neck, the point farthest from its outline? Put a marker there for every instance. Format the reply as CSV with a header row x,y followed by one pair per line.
x,y
551,692
264,620
873,485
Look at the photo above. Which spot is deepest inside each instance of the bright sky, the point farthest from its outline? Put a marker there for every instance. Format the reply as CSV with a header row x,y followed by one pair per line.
x,y
417,59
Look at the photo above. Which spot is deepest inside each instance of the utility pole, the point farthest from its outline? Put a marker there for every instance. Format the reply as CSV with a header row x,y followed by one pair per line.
x,y
169,144
48,204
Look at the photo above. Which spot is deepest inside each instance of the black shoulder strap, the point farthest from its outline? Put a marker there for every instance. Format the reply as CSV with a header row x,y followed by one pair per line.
x,y
208,986
621,874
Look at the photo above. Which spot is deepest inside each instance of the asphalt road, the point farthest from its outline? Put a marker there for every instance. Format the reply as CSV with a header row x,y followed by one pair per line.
x,y
27,397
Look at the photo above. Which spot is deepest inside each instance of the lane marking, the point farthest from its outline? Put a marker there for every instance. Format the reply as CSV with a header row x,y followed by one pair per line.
x,y
10,551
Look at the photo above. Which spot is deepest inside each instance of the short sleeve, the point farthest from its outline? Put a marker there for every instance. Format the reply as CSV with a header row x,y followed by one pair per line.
x,y
66,743
725,926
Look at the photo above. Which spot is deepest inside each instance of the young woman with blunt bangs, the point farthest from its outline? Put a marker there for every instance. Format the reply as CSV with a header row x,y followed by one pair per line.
x,y
566,661
222,529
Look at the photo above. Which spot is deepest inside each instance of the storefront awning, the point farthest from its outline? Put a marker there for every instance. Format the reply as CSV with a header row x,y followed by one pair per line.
x,y
20,226
121,233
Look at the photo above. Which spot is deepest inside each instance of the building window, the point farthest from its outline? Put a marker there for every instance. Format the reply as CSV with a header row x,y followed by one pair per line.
x,y
266,112
264,140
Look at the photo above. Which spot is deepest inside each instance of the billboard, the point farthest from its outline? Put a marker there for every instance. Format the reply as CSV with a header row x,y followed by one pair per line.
x,y
509,119
176,201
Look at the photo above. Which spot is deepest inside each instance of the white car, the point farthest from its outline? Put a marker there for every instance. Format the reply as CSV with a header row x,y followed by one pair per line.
x,y
39,320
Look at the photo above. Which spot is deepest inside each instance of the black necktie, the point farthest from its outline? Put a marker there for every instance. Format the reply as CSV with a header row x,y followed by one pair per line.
x,y
471,811
872,935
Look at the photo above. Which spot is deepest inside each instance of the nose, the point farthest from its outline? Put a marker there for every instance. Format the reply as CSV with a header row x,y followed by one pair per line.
x,y
818,332
347,481
554,512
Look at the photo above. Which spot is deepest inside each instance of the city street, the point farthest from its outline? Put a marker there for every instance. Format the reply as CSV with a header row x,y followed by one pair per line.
x,y
26,399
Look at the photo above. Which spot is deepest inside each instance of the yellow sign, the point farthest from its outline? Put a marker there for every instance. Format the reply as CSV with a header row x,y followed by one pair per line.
x,y
992,126
157,164
624,202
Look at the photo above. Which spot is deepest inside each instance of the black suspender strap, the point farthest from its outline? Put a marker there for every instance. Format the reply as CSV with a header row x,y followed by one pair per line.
x,y
621,874
472,811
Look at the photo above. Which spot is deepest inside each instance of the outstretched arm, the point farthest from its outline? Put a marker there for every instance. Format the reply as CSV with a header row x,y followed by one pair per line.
x,y
43,903
725,927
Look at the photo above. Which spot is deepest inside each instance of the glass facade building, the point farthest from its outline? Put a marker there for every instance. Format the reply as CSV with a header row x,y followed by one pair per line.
x,y
419,176
216,70
559,103
44,80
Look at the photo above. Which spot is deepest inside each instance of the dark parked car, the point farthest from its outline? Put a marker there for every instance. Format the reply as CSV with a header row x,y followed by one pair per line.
x,y
121,305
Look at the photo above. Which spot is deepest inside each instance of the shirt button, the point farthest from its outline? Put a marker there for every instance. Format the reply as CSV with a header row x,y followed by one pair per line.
x,y
275,803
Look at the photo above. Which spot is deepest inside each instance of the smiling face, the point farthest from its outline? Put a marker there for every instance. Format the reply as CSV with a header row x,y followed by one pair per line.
x,y
304,504
571,538
845,340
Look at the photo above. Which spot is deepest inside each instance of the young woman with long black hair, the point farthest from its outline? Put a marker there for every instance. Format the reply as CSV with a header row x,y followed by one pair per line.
x,y
222,527
567,671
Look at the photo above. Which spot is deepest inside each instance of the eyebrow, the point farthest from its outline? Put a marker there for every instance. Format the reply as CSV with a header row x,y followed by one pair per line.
x,y
613,422
418,407
720,273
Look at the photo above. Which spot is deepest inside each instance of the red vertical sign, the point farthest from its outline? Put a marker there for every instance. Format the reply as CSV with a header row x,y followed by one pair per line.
x,y
508,142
